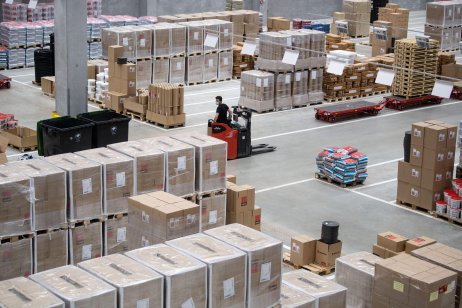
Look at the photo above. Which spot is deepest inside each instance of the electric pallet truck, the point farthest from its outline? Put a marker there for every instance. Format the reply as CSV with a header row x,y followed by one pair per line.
x,y
238,136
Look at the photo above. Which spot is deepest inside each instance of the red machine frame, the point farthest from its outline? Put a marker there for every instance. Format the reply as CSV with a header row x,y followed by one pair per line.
x,y
401,103
330,114
5,82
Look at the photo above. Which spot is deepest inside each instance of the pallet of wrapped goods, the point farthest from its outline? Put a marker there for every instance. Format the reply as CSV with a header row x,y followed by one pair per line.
x,y
148,165
264,256
13,293
210,67
115,234
160,70
76,287
165,105
177,70
85,240
293,297
272,49
301,41
136,284
226,266
17,260
143,73
48,180
211,28
358,15
213,211
195,37
441,14
225,43
257,90
194,69
315,85
83,185
185,277
283,90
300,88
117,178
225,67
122,36
51,249
445,58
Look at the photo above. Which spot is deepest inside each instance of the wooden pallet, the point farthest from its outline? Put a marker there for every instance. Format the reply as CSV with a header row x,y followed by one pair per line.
x,y
141,59
324,177
314,268
357,36
85,222
210,194
225,79
414,207
191,197
303,105
15,238
340,99
236,77
199,53
165,125
24,149
135,115
454,221
210,52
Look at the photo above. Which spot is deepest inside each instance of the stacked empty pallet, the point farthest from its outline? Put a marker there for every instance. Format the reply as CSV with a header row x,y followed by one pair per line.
x,y
166,105
415,68
444,23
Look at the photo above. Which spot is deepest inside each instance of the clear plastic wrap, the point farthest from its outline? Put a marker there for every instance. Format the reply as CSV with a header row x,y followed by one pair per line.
x,y
257,90
185,277
85,241
356,273
225,68
210,67
328,293
76,287
300,88
143,74
161,39
283,90
315,84
143,42
293,298
264,262
22,292
195,37
48,194
136,284
117,178
226,268
16,256
273,46
15,205
149,165
211,159
160,70
180,161
50,249
115,234
122,36
83,185
211,27
194,71
226,35
213,211
177,70
441,14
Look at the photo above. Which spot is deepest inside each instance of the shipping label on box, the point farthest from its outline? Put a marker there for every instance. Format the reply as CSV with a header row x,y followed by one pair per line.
x,y
391,241
435,137
418,133
418,242
416,155
303,250
327,254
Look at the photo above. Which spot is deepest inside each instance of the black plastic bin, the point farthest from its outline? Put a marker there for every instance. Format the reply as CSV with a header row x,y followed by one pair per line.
x,y
64,135
110,127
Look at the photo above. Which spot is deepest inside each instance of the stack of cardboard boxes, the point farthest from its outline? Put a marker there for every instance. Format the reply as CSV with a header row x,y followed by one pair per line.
x,y
305,250
166,104
278,24
337,16
358,15
398,17
422,180
241,63
381,39
240,206
335,42
444,23
448,60
390,244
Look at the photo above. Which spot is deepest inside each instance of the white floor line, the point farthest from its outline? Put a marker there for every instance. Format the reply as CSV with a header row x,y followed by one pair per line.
x,y
355,121
207,92
27,85
21,75
283,185
384,163
375,184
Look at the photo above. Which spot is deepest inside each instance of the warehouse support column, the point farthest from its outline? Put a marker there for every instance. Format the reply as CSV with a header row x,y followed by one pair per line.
x,y
71,51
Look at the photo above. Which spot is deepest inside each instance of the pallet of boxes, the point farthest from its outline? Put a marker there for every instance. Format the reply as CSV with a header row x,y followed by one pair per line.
x,y
429,172
241,63
444,24
240,206
358,15
398,18
166,105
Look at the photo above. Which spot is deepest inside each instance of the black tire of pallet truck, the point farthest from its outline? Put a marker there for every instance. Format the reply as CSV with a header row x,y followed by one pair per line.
x,y
332,119
316,116
400,107
8,85
374,112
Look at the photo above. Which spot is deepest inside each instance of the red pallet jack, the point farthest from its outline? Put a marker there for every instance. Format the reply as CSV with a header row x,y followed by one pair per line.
x,y
5,82
238,136
401,103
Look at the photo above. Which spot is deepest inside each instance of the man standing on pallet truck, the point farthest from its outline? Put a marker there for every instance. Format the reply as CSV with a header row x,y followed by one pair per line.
x,y
223,113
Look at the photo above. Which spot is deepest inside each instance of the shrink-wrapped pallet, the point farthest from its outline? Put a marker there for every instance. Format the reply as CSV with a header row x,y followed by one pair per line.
x,y
160,39
257,90
273,46
213,211
50,249
195,37
143,74
211,28
294,298
177,40
160,70
122,36
85,241
115,234
264,262
300,88
210,68
143,42
17,256
194,71
283,90
225,68
15,290
315,83
185,277
177,70
318,48
226,268
226,35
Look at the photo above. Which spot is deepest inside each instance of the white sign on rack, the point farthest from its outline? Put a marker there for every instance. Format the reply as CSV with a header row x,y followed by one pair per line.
x,y
9,1
442,88
32,4
211,40
385,77
336,67
248,48
290,57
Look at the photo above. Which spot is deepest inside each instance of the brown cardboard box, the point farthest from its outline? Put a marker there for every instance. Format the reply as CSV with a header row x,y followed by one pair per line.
x,y
292,297
327,254
211,159
117,178
114,52
451,136
213,211
3,147
136,284
328,293
16,207
433,179
191,217
125,71
409,173
451,70
50,249
440,14
49,190
391,241
149,165
226,268
416,155
83,185
382,252
434,159
124,86
435,137
240,198
13,293
231,178
185,277
17,256
418,133
91,71
408,193
85,241
21,137
256,219
413,282
264,254
418,242
116,101
428,198
76,287
450,158
303,250
115,234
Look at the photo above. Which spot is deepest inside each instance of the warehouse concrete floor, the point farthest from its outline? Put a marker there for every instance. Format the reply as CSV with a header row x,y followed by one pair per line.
x,y
293,201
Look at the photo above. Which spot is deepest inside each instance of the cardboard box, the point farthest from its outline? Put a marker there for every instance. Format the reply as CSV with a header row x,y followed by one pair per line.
x,y
185,277
49,192
256,219
114,52
125,71
85,241
428,198
14,291
211,159
76,287
451,136
264,255
391,241
231,178
240,198
434,159
440,14
292,297
327,254
382,252
50,249
48,85
418,242
91,71
136,284
21,137
167,120
84,185
124,86
117,178
115,234
149,165
3,147
116,101
435,137
213,211
434,179
450,158
356,272
16,207
409,173
17,257
416,155
418,133
303,250
226,267
328,293
414,283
